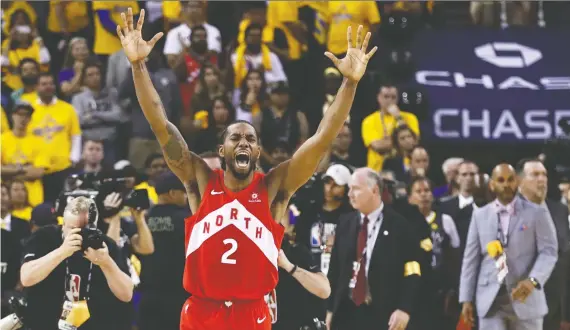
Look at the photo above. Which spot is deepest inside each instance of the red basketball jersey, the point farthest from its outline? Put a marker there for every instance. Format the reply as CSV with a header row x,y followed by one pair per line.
x,y
232,243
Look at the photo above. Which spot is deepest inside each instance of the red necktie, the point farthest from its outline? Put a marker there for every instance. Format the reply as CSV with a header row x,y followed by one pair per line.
x,y
359,292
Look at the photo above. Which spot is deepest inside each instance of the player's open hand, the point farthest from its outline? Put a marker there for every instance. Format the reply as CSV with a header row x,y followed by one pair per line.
x,y
135,47
353,65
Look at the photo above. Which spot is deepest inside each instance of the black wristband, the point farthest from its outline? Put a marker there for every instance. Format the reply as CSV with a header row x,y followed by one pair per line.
x,y
535,283
293,270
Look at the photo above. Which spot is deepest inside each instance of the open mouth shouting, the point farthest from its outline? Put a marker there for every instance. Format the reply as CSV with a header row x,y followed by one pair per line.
x,y
242,160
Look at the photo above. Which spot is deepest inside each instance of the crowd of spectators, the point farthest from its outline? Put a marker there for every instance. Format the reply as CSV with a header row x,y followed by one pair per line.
x,y
69,106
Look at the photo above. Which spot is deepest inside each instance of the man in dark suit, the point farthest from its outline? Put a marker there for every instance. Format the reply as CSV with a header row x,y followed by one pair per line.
x,y
533,187
374,270
466,173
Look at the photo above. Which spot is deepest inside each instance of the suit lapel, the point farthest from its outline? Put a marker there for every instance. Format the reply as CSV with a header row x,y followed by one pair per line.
x,y
493,218
353,229
516,218
384,228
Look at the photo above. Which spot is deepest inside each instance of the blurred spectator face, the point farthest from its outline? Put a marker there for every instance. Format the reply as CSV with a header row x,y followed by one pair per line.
x,y
333,191
254,81
178,197
564,190
93,153
280,99
192,10
18,194
21,119
5,200
46,87
534,180
332,83
157,167
92,78
199,41
214,163
466,174
253,40
406,140
29,73
220,112
77,221
419,161
280,154
387,96
361,192
211,78
343,140
504,182
421,195
79,50
450,167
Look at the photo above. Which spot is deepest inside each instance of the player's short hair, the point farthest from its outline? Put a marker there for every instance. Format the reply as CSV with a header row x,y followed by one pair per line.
x,y
239,121
522,163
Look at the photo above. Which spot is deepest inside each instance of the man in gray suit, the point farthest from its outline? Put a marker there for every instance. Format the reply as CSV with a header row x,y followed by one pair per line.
x,y
527,235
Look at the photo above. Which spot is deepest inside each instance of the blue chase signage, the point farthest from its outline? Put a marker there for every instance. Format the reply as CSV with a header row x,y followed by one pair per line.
x,y
511,85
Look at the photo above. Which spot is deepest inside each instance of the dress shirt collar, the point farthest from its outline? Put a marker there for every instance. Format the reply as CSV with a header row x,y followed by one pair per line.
x,y
465,201
510,208
373,216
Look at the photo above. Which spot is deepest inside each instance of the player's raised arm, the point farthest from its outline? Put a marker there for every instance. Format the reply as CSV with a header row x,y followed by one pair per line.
x,y
189,168
306,159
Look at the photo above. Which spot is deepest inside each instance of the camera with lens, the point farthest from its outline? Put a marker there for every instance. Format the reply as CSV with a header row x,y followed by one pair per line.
x,y
14,321
98,186
91,238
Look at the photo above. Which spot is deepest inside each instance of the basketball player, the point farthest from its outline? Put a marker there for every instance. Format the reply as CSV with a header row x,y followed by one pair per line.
x,y
232,241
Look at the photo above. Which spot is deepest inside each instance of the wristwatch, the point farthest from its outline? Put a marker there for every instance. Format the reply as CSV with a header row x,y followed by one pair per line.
x,y
535,283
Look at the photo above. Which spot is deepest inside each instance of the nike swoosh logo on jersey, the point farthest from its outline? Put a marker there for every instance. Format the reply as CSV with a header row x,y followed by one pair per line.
x,y
216,192
261,320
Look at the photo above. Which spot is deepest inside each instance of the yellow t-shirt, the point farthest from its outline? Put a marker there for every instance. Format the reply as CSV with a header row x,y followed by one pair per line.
x,y
29,98
344,14
171,9
280,12
372,130
75,13
151,191
107,43
15,56
27,150
24,213
17,5
4,120
56,123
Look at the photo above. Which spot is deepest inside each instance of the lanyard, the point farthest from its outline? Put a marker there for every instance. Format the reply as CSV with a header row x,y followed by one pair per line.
x,y
501,235
68,277
372,232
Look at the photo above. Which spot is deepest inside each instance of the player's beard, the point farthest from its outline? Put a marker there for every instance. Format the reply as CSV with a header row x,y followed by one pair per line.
x,y
240,175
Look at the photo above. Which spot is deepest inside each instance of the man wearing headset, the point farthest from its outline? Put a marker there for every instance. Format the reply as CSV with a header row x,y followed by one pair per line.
x,y
68,287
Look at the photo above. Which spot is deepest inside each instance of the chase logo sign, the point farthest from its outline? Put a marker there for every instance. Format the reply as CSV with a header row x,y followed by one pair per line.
x,y
508,85
496,53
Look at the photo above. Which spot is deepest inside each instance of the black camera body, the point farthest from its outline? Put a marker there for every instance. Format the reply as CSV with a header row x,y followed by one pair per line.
x,y
91,238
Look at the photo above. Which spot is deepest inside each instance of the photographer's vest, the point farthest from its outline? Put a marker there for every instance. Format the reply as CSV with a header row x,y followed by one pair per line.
x,y
439,238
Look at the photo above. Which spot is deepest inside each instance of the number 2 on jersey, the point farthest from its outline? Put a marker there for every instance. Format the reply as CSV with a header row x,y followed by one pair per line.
x,y
226,256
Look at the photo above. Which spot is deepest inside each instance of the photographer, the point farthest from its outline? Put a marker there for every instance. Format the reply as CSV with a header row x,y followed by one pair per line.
x,y
69,280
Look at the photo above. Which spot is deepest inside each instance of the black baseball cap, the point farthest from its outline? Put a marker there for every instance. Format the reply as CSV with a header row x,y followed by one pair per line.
x,y
166,182
43,215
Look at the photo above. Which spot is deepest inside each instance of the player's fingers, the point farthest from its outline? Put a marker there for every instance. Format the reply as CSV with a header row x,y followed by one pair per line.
x,y
333,58
130,18
359,37
155,39
120,33
349,37
125,25
141,20
365,42
371,53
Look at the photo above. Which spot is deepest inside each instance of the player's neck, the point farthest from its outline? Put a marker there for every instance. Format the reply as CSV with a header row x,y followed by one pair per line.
x,y
234,184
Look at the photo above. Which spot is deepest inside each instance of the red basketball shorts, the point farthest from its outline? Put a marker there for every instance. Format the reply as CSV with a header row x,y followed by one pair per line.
x,y
203,314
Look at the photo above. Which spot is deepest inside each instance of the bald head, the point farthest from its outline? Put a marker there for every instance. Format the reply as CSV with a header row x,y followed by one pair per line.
x,y
504,183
